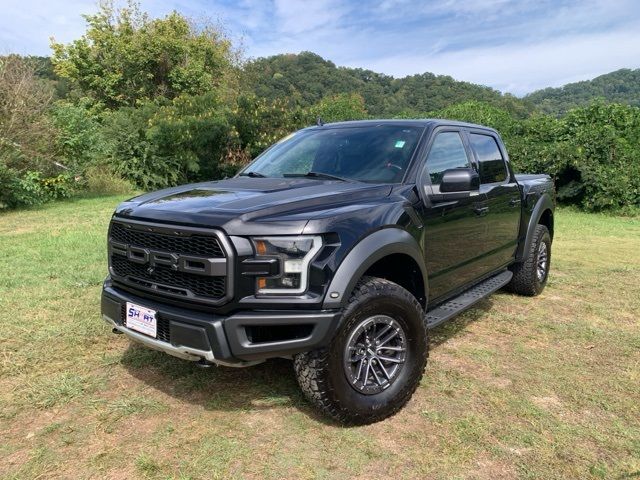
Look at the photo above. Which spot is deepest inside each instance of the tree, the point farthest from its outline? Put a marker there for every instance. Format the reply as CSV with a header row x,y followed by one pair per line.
x,y
306,78
125,57
25,131
339,108
621,86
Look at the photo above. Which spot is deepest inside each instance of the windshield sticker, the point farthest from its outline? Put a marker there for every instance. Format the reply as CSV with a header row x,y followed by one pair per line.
x,y
400,143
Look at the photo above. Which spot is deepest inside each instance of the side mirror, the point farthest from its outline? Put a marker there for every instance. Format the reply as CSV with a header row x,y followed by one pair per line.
x,y
456,184
459,180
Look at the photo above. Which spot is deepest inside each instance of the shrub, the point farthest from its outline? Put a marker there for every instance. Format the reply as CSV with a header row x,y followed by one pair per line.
x,y
233,159
339,108
258,123
101,180
606,143
592,152
25,130
191,132
80,139
31,188
129,152
161,144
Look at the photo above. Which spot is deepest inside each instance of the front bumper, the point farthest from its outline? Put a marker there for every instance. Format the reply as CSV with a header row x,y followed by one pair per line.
x,y
241,339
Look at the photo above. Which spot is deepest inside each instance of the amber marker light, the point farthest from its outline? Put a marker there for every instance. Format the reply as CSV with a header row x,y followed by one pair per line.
x,y
261,247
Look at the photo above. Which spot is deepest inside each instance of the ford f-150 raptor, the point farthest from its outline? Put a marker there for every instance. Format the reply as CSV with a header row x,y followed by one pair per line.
x,y
340,247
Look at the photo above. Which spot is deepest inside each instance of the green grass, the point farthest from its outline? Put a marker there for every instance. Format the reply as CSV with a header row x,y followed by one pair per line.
x,y
545,387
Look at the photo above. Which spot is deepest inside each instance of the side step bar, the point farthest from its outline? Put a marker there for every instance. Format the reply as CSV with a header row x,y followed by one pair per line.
x,y
467,299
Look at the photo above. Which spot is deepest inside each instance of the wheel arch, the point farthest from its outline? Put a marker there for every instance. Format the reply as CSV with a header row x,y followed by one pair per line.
x,y
542,214
386,253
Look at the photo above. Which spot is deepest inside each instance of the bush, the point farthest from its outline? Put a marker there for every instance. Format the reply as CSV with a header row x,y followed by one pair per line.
x,y
31,189
258,123
101,180
193,132
339,108
606,144
80,139
7,186
161,144
130,154
592,152
233,159
25,130
480,113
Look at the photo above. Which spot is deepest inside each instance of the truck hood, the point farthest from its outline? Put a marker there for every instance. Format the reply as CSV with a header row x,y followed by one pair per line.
x,y
250,206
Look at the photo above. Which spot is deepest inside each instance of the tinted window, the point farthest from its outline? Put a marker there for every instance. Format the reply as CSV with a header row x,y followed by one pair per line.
x,y
377,153
492,167
447,151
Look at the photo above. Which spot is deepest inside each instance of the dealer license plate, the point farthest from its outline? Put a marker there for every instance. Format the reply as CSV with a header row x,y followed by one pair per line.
x,y
141,320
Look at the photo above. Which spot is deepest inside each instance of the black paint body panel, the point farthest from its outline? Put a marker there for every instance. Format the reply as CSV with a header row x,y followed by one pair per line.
x,y
455,243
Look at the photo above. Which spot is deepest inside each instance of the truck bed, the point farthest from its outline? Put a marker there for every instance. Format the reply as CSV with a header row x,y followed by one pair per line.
x,y
535,184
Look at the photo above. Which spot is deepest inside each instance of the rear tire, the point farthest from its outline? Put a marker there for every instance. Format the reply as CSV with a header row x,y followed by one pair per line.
x,y
530,276
376,359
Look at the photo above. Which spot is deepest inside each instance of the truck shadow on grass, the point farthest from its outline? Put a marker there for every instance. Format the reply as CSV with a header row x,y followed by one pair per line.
x,y
267,386
453,327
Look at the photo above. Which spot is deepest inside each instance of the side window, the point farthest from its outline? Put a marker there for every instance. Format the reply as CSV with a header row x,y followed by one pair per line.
x,y
492,165
447,151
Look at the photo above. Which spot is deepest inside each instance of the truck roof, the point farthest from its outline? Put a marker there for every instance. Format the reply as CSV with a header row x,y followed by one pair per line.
x,y
418,122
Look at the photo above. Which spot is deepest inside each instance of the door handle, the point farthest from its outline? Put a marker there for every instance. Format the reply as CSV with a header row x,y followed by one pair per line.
x,y
514,201
481,211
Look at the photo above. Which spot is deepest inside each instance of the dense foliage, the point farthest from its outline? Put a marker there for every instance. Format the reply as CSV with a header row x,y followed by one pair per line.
x,y
306,78
621,86
140,103
593,153
125,57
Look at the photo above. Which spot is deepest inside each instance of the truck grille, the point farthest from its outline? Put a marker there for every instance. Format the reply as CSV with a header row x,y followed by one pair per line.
x,y
177,262
168,280
195,245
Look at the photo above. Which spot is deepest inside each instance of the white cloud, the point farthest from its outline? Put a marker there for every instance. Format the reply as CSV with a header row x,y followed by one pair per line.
x,y
512,45
297,17
523,68
26,26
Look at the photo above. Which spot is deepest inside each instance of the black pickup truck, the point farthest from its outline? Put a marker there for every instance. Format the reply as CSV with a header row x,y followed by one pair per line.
x,y
339,247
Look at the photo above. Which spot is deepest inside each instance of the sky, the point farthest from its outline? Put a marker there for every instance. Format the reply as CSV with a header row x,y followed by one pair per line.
x,y
513,46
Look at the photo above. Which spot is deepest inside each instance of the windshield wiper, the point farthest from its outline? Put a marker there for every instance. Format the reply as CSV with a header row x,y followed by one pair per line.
x,y
253,175
326,176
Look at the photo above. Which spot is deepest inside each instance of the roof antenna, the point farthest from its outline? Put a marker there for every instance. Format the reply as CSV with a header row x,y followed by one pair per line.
x,y
319,121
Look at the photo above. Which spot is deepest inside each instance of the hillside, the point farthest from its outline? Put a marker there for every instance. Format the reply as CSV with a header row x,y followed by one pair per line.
x,y
306,78
621,86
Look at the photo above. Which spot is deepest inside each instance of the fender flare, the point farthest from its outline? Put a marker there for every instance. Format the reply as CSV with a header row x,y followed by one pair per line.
x,y
368,251
544,203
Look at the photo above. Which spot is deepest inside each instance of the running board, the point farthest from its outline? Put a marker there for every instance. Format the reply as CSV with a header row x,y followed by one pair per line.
x,y
467,299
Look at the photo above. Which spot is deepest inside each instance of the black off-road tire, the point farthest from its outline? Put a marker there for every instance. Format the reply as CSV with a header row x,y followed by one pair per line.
x,y
526,280
321,373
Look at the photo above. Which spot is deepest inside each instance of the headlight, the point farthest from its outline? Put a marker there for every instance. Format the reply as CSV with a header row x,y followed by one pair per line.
x,y
294,255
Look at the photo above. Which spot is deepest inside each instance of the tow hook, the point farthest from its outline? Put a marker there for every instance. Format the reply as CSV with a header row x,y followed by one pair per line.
x,y
202,363
116,331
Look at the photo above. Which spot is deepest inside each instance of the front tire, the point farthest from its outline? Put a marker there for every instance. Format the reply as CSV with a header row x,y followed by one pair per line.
x,y
530,276
376,360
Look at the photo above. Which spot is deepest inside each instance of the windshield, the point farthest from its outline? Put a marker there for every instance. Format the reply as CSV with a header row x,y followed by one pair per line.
x,y
377,154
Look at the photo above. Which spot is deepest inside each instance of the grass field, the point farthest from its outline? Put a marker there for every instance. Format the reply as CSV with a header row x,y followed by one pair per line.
x,y
547,387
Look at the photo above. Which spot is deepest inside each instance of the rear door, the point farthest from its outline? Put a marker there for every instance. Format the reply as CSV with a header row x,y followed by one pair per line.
x,y
499,186
451,228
